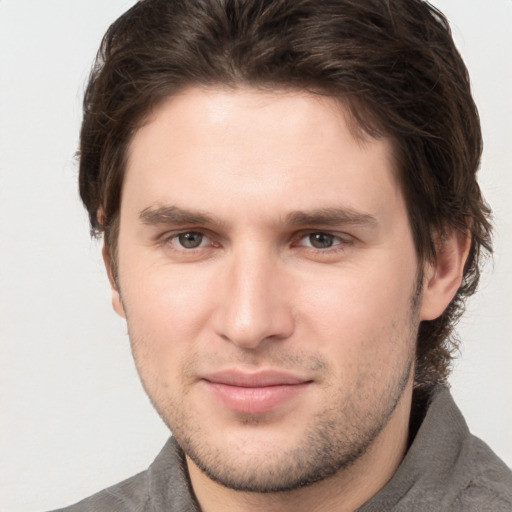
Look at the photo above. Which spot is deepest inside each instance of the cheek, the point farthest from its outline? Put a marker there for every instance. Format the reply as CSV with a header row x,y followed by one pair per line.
x,y
360,307
166,313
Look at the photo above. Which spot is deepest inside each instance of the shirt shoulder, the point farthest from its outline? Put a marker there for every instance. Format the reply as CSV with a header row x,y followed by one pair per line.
x,y
446,468
489,487
164,486
130,495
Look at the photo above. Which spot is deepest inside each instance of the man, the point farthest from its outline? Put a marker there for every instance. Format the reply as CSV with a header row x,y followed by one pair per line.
x,y
291,224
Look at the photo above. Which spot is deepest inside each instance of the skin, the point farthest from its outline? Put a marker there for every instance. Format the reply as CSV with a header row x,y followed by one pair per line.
x,y
258,235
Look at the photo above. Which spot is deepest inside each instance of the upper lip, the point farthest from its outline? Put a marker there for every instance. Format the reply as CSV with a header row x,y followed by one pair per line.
x,y
259,379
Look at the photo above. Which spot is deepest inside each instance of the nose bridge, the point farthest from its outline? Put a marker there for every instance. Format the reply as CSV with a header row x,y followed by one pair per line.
x,y
253,306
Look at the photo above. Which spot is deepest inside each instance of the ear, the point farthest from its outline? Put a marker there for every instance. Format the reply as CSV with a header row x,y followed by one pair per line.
x,y
443,276
117,303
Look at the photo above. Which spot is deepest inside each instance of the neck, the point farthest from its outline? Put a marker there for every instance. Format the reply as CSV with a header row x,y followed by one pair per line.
x,y
345,491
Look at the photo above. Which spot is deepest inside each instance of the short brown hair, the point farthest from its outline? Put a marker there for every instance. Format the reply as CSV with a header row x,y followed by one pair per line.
x,y
392,63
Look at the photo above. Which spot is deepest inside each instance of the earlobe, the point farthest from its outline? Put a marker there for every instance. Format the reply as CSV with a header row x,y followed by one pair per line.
x,y
443,276
117,303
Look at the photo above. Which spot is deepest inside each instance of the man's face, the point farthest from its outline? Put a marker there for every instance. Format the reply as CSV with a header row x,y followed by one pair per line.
x,y
268,276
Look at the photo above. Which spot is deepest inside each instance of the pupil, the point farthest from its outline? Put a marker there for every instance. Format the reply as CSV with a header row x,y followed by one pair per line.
x,y
321,240
190,240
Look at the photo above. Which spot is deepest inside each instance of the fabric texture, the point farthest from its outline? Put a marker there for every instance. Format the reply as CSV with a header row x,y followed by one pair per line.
x,y
446,469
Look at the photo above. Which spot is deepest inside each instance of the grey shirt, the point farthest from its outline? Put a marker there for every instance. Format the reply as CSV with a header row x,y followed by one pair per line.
x,y
445,469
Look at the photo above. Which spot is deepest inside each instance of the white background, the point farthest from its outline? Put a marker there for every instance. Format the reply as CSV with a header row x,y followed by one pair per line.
x,y
73,416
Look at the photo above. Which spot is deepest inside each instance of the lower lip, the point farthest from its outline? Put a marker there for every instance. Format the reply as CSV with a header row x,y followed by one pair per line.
x,y
257,400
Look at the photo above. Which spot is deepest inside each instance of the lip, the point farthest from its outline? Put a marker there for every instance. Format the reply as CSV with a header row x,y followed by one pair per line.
x,y
254,393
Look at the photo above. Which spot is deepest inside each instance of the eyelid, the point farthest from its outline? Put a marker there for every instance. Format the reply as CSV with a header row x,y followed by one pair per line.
x,y
343,238
171,236
213,240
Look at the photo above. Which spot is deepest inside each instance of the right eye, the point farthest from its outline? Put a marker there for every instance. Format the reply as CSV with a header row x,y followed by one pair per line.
x,y
189,239
322,240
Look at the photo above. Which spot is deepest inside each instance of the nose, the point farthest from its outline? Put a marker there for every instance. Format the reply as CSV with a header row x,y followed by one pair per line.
x,y
253,305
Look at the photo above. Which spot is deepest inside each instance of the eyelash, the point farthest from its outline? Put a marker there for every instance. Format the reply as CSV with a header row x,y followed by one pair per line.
x,y
170,238
340,242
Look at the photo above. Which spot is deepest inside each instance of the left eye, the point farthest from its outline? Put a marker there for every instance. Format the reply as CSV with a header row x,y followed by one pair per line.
x,y
321,240
190,239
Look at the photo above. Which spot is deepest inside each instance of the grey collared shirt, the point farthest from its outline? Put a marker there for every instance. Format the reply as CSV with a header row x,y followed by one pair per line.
x,y
446,469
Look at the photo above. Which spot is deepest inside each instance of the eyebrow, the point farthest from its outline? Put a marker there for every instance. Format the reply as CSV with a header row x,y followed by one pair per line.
x,y
319,217
330,217
153,216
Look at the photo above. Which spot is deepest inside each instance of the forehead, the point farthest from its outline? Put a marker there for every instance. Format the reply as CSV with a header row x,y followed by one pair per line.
x,y
259,148
226,108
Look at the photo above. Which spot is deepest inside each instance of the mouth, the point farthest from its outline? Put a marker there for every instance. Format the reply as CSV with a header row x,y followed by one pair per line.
x,y
254,393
